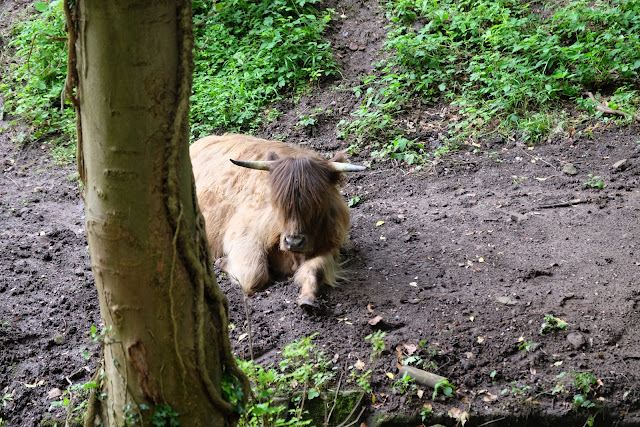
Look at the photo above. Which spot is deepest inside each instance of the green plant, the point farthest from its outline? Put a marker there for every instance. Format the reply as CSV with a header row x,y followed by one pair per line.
x,y
95,337
164,415
495,156
404,384
594,182
312,118
426,412
248,52
361,377
444,387
584,382
74,400
232,392
400,148
377,341
7,398
516,389
304,372
552,323
355,201
527,346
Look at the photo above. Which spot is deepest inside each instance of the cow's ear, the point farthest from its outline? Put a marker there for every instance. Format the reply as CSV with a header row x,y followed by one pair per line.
x,y
339,157
272,156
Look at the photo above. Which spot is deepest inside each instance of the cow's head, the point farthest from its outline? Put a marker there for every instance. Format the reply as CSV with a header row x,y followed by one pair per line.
x,y
301,194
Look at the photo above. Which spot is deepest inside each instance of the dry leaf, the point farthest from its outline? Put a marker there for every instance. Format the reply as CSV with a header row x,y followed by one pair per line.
x,y
359,365
375,320
488,397
36,384
460,416
420,393
480,340
242,336
410,348
54,393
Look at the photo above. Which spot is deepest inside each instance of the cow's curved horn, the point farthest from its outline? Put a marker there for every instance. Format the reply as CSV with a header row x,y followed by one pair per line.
x,y
262,165
346,167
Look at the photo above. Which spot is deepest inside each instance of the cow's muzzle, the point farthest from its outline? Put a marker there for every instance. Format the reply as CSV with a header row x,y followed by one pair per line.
x,y
295,242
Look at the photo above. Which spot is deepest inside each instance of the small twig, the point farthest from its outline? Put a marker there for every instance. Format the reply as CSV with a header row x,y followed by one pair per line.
x,y
211,13
492,421
357,418
335,400
204,44
343,424
246,313
33,41
17,185
537,158
565,204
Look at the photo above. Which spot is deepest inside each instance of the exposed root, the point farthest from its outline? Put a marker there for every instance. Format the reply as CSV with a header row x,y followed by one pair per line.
x,y
211,306
607,110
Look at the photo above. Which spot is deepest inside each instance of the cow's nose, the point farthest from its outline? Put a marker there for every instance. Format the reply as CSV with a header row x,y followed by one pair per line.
x,y
294,242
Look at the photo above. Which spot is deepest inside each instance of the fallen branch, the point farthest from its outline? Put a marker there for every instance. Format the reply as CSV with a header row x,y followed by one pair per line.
x,y
607,110
421,377
565,204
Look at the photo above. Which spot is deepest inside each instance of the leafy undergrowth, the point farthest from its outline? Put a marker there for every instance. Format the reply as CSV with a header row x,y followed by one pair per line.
x,y
33,81
509,67
247,55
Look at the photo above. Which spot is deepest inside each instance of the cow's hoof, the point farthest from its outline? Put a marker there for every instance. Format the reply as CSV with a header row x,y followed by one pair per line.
x,y
307,302
221,263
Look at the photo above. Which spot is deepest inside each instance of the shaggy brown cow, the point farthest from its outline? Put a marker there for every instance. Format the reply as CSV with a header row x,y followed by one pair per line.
x,y
291,220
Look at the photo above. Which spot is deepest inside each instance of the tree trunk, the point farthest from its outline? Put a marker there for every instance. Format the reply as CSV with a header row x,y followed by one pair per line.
x,y
166,341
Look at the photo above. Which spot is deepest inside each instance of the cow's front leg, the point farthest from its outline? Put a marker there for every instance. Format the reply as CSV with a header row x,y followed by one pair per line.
x,y
311,274
247,265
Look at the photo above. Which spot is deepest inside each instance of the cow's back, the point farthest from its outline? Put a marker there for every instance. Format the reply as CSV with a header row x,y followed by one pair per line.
x,y
231,196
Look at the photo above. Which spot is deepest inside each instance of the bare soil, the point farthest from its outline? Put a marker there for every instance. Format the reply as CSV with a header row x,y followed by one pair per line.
x,y
466,256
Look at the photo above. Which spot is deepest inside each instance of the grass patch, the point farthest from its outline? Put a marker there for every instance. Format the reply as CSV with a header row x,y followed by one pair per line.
x,y
248,53
508,66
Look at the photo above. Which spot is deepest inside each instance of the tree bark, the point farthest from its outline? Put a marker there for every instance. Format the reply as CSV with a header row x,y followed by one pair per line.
x,y
167,339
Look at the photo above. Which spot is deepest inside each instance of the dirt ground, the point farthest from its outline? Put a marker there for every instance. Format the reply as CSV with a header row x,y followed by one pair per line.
x,y
465,256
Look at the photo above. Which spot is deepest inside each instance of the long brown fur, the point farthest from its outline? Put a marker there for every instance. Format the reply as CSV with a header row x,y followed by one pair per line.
x,y
247,211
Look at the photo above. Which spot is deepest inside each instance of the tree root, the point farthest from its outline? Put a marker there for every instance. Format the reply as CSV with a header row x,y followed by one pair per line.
x,y
603,108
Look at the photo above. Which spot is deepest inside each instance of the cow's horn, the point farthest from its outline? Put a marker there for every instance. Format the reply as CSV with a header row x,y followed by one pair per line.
x,y
346,167
262,165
